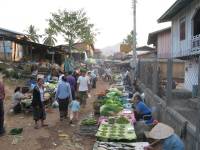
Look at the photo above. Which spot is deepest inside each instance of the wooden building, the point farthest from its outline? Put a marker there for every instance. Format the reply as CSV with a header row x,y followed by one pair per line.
x,y
185,34
161,40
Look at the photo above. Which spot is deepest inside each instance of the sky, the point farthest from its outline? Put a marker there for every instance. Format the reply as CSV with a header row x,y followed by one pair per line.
x,y
112,18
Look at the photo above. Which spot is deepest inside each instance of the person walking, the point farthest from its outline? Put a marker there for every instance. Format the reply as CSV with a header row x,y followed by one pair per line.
x,y
2,97
72,81
74,107
94,79
38,103
63,95
83,87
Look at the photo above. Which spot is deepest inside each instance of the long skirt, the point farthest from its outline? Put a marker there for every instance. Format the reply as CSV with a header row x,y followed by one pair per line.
x,y
39,113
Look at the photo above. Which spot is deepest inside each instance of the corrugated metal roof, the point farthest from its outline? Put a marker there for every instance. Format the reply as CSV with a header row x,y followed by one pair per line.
x,y
173,10
10,31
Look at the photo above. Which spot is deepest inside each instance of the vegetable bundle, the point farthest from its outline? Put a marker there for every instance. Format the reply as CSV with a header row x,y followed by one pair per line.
x,y
89,121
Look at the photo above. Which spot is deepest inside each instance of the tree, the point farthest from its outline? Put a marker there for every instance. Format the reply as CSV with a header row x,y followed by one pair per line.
x,y
32,33
129,39
74,26
49,38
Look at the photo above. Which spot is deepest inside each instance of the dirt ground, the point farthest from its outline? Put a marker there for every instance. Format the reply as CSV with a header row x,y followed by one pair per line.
x,y
46,138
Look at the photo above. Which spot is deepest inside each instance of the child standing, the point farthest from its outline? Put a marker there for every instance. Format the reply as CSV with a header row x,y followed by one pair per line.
x,y
74,107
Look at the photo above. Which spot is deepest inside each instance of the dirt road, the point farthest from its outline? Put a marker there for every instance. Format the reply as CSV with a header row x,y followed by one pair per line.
x,y
46,138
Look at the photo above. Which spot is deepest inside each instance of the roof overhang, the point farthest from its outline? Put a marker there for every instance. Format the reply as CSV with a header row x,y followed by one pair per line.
x,y
144,48
173,10
24,42
152,38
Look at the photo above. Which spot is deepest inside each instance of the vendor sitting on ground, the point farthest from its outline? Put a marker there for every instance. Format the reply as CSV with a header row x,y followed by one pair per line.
x,y
165,137
17,97
141,109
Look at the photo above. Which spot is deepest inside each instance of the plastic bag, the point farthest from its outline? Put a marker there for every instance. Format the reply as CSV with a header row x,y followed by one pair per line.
x,y
55,104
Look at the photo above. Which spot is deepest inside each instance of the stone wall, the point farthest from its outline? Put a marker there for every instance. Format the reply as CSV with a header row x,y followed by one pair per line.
x,y
169,116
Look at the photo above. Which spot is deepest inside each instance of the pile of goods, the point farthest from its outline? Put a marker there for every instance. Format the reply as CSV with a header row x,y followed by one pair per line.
x,y
116,132
110,109
89,121
116,121
88,126
119,146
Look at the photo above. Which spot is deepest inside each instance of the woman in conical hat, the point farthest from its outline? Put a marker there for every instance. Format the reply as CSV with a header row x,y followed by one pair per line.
x,y
165,136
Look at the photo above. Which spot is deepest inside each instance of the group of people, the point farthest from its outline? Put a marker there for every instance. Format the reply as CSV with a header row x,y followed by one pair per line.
x,y
71,92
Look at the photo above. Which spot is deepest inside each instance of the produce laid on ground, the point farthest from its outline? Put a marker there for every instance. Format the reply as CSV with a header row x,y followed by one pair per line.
x,y
89,121
122,120
52,85
116,132
88,126
16,131
110,109
119,146
26,102
114,92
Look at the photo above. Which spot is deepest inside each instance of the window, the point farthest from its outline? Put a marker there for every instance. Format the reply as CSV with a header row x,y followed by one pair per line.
x,y
182,29
196,23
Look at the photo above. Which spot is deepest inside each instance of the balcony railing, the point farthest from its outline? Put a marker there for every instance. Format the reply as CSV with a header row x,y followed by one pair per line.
x,y
196,44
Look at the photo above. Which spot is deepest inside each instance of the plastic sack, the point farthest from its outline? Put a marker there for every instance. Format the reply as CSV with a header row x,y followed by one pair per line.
x,y
55,104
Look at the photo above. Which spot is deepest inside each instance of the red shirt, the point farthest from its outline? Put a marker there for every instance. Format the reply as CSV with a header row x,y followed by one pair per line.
x,y
2,91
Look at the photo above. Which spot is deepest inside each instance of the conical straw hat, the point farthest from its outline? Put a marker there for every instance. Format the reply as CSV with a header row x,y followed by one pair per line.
x,y
161,131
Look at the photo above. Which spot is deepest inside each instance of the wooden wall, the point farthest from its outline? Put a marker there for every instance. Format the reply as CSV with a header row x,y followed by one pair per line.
x,y
183,48
164,45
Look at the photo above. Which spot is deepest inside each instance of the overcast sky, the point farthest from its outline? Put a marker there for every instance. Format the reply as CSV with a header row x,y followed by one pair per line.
x,y
112,18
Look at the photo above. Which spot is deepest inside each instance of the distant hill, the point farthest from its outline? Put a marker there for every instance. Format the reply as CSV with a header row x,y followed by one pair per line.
x,y
110,50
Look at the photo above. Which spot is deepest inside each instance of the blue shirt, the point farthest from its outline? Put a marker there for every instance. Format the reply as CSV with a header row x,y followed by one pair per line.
x,y
93,75
74,106
142,108
173,143
63,91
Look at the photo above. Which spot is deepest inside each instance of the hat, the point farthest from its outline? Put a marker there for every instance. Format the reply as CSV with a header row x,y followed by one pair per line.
x,y
134,95
161,131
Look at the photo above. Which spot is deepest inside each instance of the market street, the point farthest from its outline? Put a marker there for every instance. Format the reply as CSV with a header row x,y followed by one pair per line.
x,y
48,137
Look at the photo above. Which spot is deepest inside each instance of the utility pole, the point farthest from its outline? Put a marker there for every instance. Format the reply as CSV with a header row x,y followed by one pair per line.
x,y
134,37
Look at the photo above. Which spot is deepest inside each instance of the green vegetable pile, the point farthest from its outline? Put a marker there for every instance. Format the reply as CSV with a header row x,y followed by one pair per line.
x,y
89,121
110,109
114,92
116,132
112,103
51,85
122,120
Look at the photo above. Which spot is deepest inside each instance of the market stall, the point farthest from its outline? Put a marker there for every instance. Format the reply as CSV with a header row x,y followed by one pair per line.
x,y
116,122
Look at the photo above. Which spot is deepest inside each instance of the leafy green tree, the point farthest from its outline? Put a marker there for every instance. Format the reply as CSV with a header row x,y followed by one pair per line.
x,y
74,26
32,33
129,39
49,38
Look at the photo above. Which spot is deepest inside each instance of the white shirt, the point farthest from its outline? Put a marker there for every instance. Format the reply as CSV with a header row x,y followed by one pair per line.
x,y
60,78
17,98
42,94
83,83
